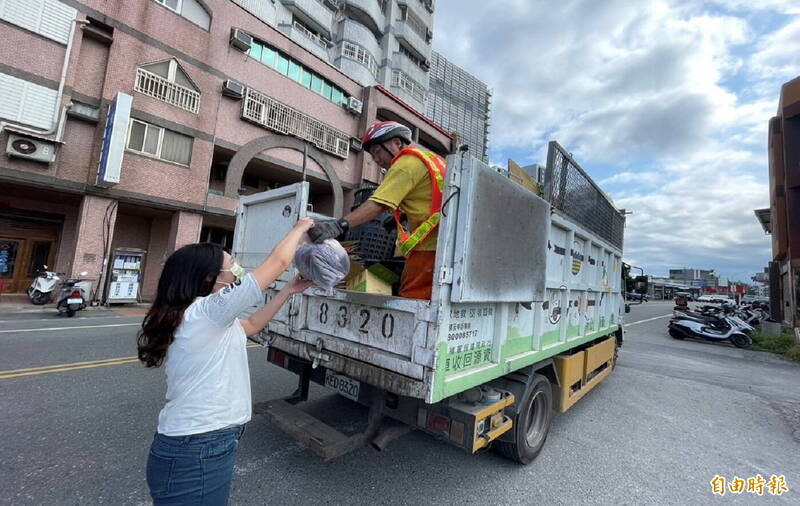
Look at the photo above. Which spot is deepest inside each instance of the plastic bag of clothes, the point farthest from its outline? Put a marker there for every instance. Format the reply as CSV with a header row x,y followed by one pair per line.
x,y
326,264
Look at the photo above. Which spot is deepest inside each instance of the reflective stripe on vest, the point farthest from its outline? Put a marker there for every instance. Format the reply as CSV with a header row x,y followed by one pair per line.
x,y
436,169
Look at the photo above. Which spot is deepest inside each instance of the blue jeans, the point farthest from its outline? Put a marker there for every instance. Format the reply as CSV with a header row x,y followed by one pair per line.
x,y
195,469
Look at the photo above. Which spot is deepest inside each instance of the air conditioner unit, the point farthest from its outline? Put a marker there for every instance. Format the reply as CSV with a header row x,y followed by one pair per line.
x,y
241,40
31,149
355,144
426,65
232,89
355,105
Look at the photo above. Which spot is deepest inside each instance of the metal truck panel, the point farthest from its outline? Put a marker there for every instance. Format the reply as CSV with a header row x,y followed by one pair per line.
x,y
495,216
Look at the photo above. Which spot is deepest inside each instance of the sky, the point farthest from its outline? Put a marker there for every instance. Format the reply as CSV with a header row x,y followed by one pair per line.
x,y
665,103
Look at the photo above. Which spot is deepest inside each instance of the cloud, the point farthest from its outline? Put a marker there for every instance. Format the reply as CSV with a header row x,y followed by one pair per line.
x,y
669,98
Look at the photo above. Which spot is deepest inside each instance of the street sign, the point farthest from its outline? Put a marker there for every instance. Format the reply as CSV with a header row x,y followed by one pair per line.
x,y
116,131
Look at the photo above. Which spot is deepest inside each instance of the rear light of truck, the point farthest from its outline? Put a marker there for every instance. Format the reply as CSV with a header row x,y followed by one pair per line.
x,y
278,358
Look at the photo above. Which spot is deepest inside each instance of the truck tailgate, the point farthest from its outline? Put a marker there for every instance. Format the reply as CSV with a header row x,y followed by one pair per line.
x,y
386,332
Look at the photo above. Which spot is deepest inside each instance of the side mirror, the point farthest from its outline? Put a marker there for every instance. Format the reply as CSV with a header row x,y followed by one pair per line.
x,y
640,284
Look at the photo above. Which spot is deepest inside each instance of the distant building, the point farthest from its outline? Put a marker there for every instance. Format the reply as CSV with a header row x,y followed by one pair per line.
x,y
782,219
460,103
383,42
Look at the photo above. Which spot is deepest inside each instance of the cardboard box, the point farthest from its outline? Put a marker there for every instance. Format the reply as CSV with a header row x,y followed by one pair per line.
x,y
375,279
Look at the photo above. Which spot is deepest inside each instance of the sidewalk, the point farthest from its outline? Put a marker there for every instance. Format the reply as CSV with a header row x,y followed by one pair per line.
x,y
19,304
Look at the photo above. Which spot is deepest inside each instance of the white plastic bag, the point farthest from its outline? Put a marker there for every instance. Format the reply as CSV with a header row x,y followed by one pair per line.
x,y
326,264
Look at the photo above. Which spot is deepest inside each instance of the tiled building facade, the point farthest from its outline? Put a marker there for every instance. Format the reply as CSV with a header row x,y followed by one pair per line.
x,y
174,58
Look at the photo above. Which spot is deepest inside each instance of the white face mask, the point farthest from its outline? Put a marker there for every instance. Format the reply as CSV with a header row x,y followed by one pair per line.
x,y
238,273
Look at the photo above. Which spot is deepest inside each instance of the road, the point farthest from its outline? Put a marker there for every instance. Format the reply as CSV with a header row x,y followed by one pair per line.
x,y
672,416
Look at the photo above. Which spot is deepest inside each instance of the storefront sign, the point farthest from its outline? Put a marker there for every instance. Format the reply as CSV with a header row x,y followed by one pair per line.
x,y
110,166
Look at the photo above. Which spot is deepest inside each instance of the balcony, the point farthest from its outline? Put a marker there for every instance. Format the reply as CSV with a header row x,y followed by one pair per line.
x,y
279,117
368,12
404,64
162,89
312,13
412,40
307,39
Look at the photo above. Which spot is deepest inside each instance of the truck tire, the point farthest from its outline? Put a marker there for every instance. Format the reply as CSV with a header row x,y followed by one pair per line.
x,y
531,422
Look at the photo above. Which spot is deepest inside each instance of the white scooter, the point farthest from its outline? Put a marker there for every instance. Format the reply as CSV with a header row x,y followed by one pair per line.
x,y
712,328
41,290
73,295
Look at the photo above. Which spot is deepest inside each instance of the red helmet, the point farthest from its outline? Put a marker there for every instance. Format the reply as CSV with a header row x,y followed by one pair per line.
x,y
384,131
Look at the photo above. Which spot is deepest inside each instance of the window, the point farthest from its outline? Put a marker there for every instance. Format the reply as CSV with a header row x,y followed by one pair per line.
x,y
283,65
361,55
415,24
166,81
48,18
297,72
192,10
407,84
279,117
294,71
27,103
152,140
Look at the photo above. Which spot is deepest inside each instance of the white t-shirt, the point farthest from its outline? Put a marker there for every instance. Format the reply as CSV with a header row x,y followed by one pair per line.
x,y
208,379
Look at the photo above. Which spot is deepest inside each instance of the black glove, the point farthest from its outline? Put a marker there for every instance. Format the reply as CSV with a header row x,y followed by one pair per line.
x,y
328,229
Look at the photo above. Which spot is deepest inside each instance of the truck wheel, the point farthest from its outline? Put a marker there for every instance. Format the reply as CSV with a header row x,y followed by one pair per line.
x,y
531,422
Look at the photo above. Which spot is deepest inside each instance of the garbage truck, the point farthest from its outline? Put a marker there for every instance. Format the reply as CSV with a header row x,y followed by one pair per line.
x,y
525,318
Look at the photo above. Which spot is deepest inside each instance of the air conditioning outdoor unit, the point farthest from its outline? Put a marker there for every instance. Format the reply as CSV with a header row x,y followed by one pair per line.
x,y
241,40
426,65
355,144
355,105
233,89
31,149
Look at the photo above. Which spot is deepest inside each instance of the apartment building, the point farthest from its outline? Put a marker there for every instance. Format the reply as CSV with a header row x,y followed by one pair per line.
x,y
376,42
138,125
461,103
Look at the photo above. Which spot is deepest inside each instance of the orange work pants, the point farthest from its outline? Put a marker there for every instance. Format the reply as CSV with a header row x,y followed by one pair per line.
x,y
416,282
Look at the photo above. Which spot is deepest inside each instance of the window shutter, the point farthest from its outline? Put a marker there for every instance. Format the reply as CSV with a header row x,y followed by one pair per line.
x,y
27,103
49,18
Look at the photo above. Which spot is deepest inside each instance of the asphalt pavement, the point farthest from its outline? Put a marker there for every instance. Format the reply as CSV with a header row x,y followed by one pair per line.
x,y
77,414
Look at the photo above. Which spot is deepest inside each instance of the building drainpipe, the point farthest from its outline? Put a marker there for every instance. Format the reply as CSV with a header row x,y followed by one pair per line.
x,y
57,122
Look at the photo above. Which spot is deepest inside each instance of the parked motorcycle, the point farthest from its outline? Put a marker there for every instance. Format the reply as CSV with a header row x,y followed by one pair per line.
x,y
73,295
713,327
44,284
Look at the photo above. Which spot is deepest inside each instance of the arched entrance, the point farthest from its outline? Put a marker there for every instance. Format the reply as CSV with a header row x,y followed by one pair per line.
x,y
257,146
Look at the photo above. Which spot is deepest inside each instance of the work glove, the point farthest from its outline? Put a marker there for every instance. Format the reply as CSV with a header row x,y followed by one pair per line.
x,y
328,229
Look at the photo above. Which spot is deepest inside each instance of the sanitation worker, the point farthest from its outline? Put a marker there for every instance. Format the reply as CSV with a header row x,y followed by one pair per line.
x,y
414,184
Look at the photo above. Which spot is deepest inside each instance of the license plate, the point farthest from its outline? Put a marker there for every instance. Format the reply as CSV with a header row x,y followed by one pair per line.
x,y
74,301
343,385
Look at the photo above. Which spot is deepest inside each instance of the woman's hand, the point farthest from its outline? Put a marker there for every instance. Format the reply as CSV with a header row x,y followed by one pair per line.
x,y
303,225
297,285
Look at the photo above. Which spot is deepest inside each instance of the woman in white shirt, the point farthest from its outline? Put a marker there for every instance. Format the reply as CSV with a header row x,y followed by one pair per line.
x,y
194,329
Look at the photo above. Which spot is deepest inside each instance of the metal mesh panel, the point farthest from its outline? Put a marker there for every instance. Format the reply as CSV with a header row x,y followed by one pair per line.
x,y
570,190
281,118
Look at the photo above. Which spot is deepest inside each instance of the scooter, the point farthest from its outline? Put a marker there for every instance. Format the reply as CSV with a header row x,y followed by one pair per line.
x,y
41,290
72,297
719,328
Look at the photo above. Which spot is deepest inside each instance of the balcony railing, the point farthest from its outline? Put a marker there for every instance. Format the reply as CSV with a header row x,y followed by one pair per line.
x,y
279,117
153,85
421,47
312,12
